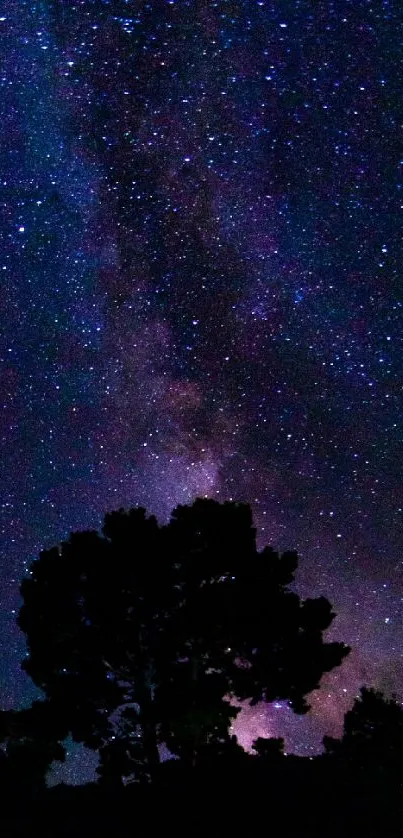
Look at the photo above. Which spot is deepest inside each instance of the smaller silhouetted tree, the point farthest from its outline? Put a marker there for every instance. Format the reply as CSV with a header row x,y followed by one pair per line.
x,y
30,741
373,732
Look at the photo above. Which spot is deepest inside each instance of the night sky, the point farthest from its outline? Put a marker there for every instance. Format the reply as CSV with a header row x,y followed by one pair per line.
x,y
200,296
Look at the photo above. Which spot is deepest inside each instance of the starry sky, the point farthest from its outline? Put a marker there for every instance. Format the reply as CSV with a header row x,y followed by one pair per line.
x,y
199,255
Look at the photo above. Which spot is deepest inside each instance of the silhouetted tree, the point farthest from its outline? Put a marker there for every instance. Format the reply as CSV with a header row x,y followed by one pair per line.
x,y
373,733
29,742
139,636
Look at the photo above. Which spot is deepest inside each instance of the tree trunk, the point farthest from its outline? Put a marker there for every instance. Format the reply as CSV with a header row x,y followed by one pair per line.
x,y
149,730
147,714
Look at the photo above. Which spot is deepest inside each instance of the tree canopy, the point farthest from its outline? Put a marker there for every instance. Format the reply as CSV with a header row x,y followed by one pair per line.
x,y
141,635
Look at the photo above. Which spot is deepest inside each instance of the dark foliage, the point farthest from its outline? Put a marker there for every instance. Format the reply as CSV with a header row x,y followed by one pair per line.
x,y
269,749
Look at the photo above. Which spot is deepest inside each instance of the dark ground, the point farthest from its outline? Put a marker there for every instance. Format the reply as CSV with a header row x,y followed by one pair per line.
x,y
292,796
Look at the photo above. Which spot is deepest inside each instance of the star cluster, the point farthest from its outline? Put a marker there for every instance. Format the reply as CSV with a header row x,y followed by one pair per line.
x,y
200,293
